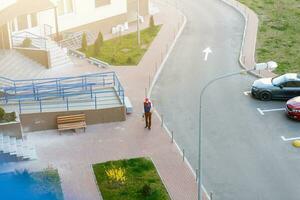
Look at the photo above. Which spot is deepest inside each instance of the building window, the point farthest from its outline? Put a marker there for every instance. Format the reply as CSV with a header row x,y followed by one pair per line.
x,y
65,7
33,18
99,3
22,22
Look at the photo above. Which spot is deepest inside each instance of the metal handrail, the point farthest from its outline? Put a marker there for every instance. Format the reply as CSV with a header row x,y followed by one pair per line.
x,y
37,90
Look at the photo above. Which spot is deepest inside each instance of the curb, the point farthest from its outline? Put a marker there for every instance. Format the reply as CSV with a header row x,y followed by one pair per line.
x,y
242,65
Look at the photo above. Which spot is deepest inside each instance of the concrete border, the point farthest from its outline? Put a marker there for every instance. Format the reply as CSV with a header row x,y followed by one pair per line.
x,y
163,182
248,15
95,180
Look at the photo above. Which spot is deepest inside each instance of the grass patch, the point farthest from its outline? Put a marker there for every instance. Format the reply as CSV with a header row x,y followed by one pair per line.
x,y
142,181
124,50
278,37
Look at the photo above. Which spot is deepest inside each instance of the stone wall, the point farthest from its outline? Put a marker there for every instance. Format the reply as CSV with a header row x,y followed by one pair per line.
x,y
47,120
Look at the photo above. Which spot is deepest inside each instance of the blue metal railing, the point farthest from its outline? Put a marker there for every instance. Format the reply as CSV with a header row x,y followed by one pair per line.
x,y
38,91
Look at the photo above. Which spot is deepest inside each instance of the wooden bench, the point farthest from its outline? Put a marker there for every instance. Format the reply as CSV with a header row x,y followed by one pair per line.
x,y
70,122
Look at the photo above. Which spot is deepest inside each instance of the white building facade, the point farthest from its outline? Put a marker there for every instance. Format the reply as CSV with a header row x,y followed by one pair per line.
x,y
47,17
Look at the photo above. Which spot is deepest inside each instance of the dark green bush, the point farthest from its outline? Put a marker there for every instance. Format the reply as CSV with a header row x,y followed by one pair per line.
x,y
26,42
84,44
10,117
98,44
2,113
146,190
129,60
113,60
151,22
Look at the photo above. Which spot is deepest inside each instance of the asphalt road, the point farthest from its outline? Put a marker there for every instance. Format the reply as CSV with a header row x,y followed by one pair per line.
x,y
244,156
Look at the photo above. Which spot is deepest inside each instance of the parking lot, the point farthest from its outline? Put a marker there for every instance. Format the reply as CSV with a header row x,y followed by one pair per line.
x,y
274,111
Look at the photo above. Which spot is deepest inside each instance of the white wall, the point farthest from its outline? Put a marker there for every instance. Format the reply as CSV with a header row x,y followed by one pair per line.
x,y
5,3
84,12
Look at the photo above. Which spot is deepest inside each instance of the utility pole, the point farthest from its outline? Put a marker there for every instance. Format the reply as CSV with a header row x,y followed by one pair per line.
x,y
138,23
56,23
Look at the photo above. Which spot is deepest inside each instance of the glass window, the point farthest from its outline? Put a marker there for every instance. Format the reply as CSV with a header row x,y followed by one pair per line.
x,y
65,7
278,80
297,83
61,7
99,3
12,25
33,18
22,22
69,6
291,84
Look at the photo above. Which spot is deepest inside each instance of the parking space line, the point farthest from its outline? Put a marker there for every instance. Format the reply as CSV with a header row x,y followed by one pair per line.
x,y
262,112
247,93
289,139
271,110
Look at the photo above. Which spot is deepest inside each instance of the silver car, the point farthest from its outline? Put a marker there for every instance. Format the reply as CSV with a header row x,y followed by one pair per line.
x,y
285,86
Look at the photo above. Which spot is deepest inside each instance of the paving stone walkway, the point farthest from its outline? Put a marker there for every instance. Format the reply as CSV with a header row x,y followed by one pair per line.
x,y
73,154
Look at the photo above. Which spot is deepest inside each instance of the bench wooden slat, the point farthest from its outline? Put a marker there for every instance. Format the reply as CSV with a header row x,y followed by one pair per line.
x,y
63,121
71,122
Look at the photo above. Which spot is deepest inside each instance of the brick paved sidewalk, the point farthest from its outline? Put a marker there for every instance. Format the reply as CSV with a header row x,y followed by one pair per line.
x,y
73,154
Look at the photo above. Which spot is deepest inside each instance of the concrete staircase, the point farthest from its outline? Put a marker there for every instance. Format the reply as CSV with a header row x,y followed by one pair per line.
x,y
58,55
16,149
14,65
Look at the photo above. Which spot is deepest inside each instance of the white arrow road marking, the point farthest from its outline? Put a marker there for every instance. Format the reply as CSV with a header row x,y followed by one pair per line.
x,y
207,51
247,93
289,139
262,112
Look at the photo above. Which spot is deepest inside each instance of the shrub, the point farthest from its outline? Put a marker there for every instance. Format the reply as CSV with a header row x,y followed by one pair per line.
x,y
98,43
146,190
10,117
151,23
84,44
2,113
129,60
26,42
113,60
116,176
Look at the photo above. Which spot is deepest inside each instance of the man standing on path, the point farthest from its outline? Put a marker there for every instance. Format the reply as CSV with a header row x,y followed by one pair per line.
x,y
147,112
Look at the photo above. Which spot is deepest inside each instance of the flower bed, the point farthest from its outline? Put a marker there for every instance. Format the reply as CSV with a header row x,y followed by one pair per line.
x,y
132,179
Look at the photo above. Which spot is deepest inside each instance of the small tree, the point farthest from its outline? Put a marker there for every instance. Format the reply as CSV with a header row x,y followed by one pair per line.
x,y
84,42
98,43
151,23
146,190
2,113
26,43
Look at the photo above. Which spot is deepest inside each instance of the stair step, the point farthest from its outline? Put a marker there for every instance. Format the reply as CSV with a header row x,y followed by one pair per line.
x,y
17,147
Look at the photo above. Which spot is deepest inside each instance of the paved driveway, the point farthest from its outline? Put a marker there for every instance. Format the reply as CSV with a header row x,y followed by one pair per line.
x,y
244,155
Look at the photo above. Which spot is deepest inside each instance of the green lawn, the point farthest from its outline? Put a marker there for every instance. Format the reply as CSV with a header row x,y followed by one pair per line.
x,y
138,172
124,50
279,29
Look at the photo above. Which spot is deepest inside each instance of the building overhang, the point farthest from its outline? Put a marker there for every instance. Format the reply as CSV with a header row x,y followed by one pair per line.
x,y
23,7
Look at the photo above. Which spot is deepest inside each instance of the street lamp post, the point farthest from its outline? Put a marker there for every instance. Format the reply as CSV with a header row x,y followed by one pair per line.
x,y
262,66
138,23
